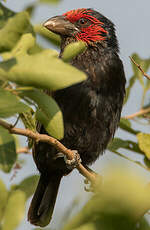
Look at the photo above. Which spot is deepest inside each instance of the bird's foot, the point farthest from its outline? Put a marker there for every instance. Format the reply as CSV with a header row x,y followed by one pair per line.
x,y
71,164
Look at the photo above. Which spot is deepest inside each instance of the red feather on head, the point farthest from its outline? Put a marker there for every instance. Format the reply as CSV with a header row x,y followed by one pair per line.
x,y
91,33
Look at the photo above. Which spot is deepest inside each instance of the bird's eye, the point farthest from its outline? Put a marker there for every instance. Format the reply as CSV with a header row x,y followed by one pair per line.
x,y
82,21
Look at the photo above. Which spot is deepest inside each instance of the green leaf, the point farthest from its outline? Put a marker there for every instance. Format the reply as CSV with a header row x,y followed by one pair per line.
x,y
48,114
30,9
118,143
42,70
3,198
88,226
5,13
143,224
126,126
29,122
48,35
72,50
14,211
1,82
50,1
116,204
144,63
10,104
13,30
136,71
48,125
144,143
131,160
42,229
8,154
28,185
24,45
147,87
35,49
128,89
147,162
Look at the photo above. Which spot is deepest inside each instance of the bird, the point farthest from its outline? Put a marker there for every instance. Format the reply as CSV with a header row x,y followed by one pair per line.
x,y
91,109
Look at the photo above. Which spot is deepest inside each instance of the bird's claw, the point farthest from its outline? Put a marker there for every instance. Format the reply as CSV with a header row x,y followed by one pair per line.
x,y
71,164
59,155
88,186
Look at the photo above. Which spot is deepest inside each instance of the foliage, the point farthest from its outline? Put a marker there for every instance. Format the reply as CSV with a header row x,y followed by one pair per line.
x,y
27,69
115,205
8,154
12,207
31,69
48,35
142,145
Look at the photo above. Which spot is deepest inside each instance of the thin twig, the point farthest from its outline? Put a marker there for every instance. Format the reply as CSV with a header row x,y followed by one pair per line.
x,y
16,122
140,68
23,150
52,141
139,113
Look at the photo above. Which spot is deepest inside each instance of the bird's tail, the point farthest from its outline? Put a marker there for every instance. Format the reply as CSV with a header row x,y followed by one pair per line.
x,y
43,202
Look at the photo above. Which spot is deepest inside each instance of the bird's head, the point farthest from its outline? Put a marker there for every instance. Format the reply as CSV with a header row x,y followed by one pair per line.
x,y
85,25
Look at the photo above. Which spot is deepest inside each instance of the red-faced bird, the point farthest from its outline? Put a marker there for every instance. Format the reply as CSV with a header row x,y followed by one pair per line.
x,y
91,109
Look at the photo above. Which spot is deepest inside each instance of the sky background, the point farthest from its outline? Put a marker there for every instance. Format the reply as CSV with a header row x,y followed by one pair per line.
x,y
132,25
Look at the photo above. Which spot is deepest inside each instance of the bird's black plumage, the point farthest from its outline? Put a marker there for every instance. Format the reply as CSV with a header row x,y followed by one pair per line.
x,y
91,109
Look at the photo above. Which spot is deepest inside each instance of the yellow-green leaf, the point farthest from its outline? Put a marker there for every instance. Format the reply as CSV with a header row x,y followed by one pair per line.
x,y
144,63
51,126
13,30
42,70
48,35
73,50
131,83
8,154
10,104
49,113
14,211
28,185
88,226
144,143
50,1
26,42
126,126
3,198
5,13
117,204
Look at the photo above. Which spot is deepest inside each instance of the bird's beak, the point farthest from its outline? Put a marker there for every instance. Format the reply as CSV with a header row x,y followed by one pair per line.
x,y
60,25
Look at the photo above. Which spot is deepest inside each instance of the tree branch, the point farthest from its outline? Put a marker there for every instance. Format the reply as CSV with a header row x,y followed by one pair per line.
x,y
23,150
139,113
52,141
140,68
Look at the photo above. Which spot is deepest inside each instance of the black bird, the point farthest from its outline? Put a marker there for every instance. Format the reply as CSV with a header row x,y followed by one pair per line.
x,y
91,109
